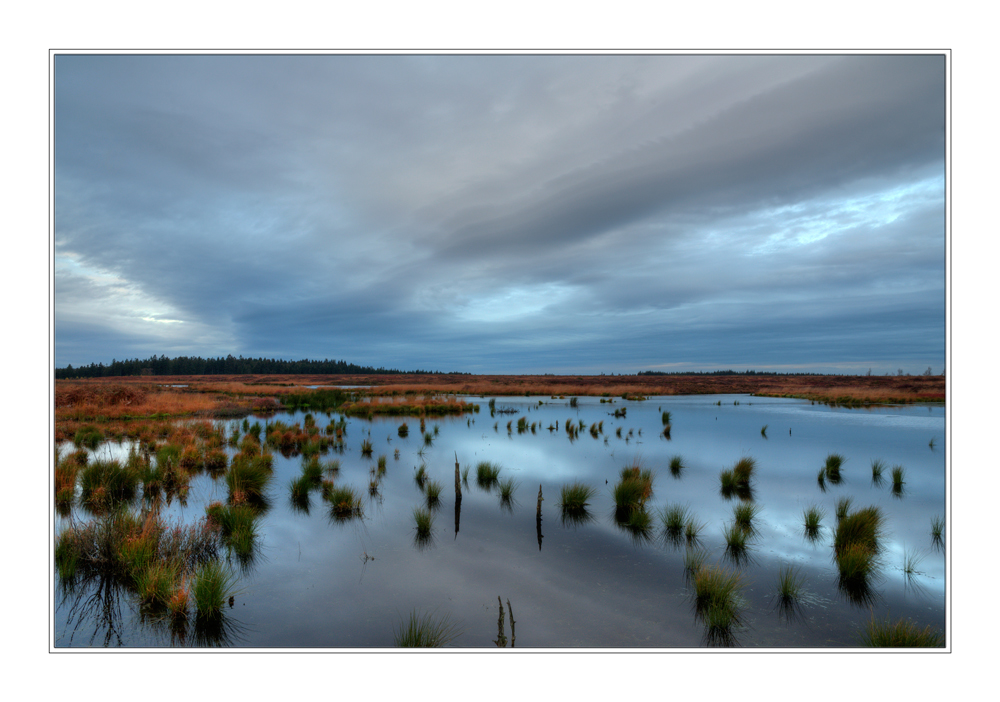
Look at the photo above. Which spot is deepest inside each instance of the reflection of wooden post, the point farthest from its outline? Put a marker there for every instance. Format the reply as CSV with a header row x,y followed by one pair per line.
x,y
538,518
511,610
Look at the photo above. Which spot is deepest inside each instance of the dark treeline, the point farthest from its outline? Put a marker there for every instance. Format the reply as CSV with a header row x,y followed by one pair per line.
x,y
230,365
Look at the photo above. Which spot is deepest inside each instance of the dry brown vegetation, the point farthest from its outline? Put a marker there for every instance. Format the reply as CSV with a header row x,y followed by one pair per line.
x,y
124,398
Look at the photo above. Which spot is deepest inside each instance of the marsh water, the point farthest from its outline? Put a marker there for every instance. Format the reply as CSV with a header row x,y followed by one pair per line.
x,y
318,582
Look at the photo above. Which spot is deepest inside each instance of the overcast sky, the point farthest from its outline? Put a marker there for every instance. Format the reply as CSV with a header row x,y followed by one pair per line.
x,y
504,214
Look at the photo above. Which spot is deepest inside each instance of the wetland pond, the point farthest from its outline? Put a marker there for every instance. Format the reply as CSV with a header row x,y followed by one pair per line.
x,y
317,581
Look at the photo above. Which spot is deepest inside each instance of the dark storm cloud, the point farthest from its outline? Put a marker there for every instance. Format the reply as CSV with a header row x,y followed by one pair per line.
x,y
508,213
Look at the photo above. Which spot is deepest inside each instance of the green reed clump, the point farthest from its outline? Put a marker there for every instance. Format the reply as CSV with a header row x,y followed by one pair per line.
x,y
487,474
88,436
157,583
247,479
213,585
857,545
812,517
366,448
420,477
106,483
911,560
692,530
403,430
674,517
312,470
789,584
506,489
424,521
345,503
736,542
65,481
878,467
425,631
864,526
665,418
576,497
821,479
676,466
903,633
937,528
432,490
897,479
833,463
331,468
382,464
763,431
843,507
718,597
744,515
743,471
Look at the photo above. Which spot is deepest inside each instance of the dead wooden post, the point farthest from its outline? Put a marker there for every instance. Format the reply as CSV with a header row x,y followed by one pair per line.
x,y
458,480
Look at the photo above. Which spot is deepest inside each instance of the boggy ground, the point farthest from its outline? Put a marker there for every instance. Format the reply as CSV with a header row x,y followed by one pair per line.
x,y
153,397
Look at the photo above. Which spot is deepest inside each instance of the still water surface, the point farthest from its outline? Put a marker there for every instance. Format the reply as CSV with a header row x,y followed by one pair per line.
x,y
320,583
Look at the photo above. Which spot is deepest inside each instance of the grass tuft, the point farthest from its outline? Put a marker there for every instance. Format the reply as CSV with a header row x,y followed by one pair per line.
x,y
576,497
812,517
903,633
425,631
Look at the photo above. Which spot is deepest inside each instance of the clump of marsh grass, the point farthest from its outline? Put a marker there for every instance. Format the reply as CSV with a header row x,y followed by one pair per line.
x,y
420,477
789,583
738,480
425,631
857,546
674,518
107,483
692,531
821,479
834,461
382,463
237,524
213,585
665,418
366,448
937,528
897,480
878,467
911,560
88,436
576,497
487,474
812,518
403,430
843,507
247,480
903,633
718,599
634,487
737,541
424,521
744,515
676,466
763,431
345,503
432,490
